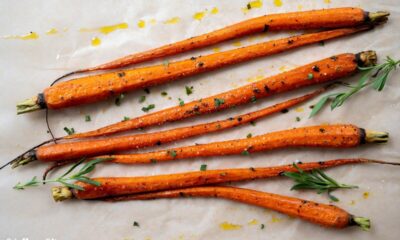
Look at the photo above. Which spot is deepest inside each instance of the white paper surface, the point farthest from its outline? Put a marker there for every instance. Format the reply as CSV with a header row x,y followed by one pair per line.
x,y
28,66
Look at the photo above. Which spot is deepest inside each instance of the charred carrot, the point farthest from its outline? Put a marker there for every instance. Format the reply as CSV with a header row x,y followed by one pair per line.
x,y
123,186
99,87
315,19
321,71
318,213
326,136
88,148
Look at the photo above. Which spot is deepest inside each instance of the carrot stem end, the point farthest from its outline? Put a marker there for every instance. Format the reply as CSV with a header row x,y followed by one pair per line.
x,y
61,193
378,17
376,137
362,222
28,105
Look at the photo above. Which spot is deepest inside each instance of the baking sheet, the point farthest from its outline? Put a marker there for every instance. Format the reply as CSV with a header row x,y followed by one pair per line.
x,y
28,66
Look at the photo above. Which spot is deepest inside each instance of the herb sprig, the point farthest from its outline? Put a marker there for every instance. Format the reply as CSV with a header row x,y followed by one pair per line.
x,y
67,177
376,76
317,180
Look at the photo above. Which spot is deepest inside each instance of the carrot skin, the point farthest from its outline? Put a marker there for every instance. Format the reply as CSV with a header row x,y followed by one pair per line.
x,y
319,213
120,186
329,69
315,19
327,136
99,87
88,148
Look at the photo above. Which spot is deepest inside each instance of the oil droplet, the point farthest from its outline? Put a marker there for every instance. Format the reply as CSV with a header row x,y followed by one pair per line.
x,y
299,7
255,79
96,41
173,20
299,109
366,195
327,1
253,222
278,3
29,36
282,68
216,49
52,31
199,15
226,226
141,24
237,44
255,4
153,21
275,219
245,10
181,237
106,29
214,10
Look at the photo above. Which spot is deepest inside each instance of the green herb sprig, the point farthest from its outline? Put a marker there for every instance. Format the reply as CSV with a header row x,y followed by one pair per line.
x,y
67,177
317,180
376,76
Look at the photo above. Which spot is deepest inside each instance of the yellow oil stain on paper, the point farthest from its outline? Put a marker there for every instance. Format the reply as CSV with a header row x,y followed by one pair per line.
x,y
299,109
29,36
199,15
52,31
327,1
152,21
282,68
366,195
255,79
216,49
96,41
352,202
255,4
215,10
226,226
253,222
275,219
278,3
141,24
299,7
173,20
106,29
237,44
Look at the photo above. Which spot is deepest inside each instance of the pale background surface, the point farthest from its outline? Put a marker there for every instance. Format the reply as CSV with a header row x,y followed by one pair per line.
x,y
29,66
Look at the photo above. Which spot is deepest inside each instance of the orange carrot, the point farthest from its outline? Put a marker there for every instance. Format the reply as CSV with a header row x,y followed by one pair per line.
x,y
321,71
125,186
319,213
315,19
327,136
99,87
88,148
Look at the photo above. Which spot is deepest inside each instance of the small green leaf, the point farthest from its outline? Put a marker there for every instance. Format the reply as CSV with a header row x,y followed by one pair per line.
x,y
189,90
172,153
72,186
126,118
136,224
164,94
88,118
142,99
69,131
317,107
203,167
245,153
218,102
249,135
181,102
148,108
310,76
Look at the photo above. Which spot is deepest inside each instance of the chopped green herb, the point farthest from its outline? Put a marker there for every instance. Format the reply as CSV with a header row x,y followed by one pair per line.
x,y
249,135
189,90
262,226
181,102
218,101
172,153
142,99
88,118
148,108
203,167
164,94
125,118
248,6
136,224
310,76
69,131
253,99
166,63
298,119
118,100
245,153
253,123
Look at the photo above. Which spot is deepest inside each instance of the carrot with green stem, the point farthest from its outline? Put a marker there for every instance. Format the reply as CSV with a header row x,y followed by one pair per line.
x,y
321,71
99,87
315,19
89,148
318,213
325,136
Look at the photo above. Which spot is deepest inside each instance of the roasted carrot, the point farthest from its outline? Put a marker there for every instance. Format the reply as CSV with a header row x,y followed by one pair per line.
x,y
319,213
327,136
122,186
322,71
315,19
99,87
88,148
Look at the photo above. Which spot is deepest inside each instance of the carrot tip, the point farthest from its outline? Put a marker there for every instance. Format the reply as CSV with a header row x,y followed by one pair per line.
x,y
28,105
376,137
362,222
61,193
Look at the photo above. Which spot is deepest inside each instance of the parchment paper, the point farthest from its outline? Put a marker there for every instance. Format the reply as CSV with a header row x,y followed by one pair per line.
x,y
28,66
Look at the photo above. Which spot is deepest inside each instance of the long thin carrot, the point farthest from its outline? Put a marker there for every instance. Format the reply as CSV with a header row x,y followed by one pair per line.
x,y
319,213
315,19
99,87
88,148
124,186
317,72
327,136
